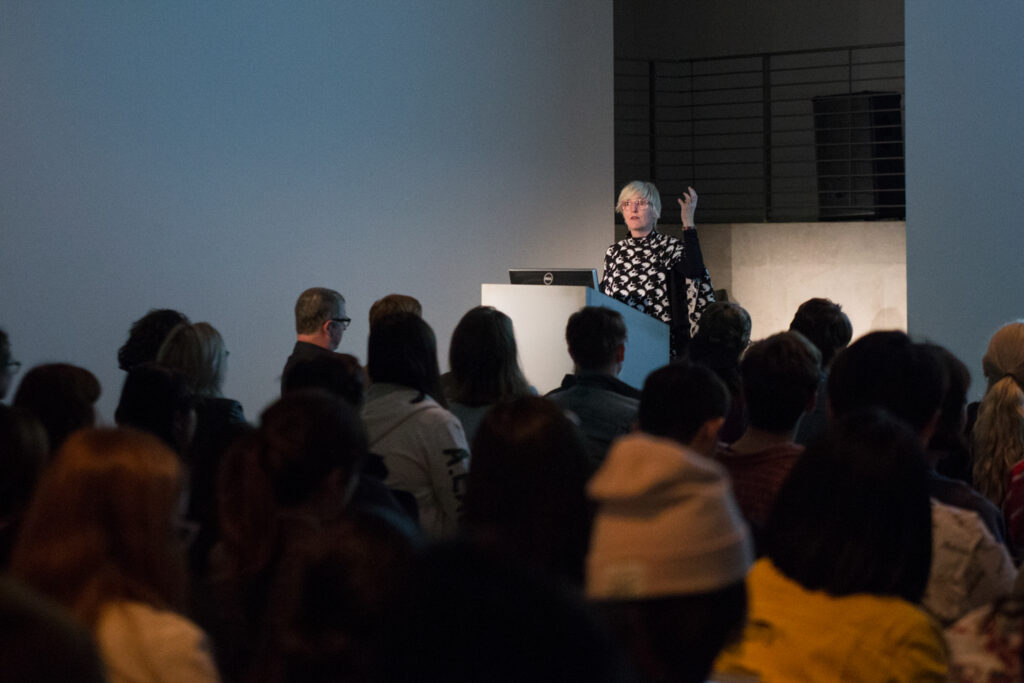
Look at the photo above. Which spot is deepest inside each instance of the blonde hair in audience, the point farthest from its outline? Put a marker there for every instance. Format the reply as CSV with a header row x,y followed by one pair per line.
x,y
197,352
101,527
998,437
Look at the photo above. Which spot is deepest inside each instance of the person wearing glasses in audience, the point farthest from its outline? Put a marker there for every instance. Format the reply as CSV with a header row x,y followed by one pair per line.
x,y
320,322
8,366
655,273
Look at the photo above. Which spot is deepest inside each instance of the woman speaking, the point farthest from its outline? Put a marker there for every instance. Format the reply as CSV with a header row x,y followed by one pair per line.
x,y
656,274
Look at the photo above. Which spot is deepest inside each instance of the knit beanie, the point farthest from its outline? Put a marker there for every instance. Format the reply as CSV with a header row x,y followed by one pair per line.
x,y
667,523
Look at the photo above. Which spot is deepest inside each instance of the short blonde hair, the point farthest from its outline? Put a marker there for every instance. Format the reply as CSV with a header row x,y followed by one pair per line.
x,y
643,190
197,352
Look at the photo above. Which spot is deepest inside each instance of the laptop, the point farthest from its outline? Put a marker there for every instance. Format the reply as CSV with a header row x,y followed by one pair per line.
x,y
578,277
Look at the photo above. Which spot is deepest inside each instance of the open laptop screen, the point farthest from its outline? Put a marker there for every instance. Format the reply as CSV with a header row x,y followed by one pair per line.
x,y
585,277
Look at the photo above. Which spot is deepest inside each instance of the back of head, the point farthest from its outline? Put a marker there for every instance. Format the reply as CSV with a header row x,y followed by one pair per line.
x,y
306,436
24,452
394,303
999,431
723,334
403,350
526,489
594,334
854,514
780,376
679,398
338,373
156,400
6,364
484,358
509,625
887,370
314,307
196,351
668,556
146,335
61,397
100,526
825,325
949,433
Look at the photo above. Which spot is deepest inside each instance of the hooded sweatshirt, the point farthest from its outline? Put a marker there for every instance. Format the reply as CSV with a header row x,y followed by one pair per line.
x,y
425,451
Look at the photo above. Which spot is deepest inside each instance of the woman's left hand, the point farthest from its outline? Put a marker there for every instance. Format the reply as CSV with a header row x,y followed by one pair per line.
x,y
687,207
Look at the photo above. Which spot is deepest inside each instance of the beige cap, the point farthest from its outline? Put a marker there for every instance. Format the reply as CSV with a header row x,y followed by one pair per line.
x,y
667,523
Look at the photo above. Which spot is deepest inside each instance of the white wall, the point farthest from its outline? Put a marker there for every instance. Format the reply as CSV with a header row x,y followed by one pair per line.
x,y
219,158
965,162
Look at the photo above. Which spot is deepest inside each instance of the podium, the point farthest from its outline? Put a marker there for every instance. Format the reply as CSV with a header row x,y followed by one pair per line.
x,y
539,314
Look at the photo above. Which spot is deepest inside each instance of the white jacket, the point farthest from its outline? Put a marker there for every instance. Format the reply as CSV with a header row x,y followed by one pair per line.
x,y
425,450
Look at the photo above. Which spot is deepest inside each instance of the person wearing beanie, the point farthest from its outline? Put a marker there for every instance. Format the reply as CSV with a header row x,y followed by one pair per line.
x,y
668,556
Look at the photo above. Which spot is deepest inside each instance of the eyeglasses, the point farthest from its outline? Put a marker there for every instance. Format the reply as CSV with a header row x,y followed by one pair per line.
x,y
344,322
638,203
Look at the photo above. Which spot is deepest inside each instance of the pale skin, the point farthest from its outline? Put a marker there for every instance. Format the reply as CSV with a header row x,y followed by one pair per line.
x,y
640,220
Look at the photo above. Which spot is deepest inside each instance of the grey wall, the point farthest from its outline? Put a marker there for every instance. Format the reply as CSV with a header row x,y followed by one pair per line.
x,y
965,163
221,157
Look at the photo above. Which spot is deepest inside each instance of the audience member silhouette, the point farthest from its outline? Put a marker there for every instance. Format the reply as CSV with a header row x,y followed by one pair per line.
x,y
604,405
394,303
8,366
157,400
668,555
685,402
780,377
525,496
61,396
320,322
484,364
723,336
24,453
826,326
284,489
848,554
146,336
423,445
99,538
970,566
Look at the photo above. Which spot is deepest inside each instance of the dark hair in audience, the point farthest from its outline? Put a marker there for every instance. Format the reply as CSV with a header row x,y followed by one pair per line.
x,y
526,490
100,527
347,584
24,453
721,338
314,307
41,643
508,624
338,373
888,370
146,336
594,333
403,350
949,437
303,439
61,397
854,514
157,400
686,632
484,359
5,350
780,375
826,326
678,399
394,303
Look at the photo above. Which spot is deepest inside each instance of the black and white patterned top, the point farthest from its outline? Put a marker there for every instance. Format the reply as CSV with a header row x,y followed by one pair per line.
x,y
653,273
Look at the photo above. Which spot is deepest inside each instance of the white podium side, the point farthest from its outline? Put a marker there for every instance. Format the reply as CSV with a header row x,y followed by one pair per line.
x,y
539,314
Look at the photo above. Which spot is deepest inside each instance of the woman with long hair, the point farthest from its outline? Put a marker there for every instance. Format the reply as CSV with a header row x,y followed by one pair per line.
x,y
102,537
998,436
485,366
422,444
